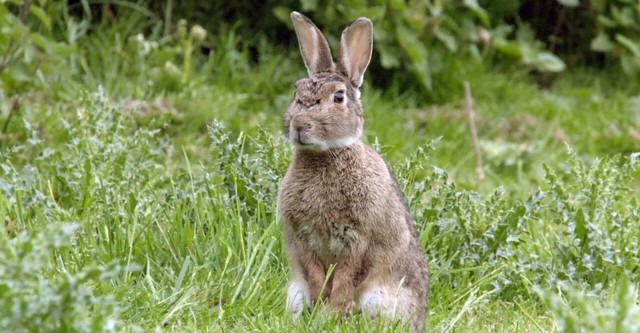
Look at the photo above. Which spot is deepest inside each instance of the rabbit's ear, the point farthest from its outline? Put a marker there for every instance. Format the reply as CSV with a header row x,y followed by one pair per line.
x,y
313,46
355,49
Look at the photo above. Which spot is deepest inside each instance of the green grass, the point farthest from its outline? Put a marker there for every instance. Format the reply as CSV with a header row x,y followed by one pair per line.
x,y
134,201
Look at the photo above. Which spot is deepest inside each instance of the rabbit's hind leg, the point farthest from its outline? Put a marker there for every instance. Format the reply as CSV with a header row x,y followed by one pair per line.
x,y
298,295
388,301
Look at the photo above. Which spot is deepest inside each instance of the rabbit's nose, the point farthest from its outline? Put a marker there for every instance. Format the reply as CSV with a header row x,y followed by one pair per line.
x,y
302,127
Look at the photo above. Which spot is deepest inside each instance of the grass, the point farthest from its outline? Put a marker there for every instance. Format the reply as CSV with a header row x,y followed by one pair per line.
x,y
133,201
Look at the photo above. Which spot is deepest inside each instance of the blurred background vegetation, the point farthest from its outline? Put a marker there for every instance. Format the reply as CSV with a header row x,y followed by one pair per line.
x,y
410,36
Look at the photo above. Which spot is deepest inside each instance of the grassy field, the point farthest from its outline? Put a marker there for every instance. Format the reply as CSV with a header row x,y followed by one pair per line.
x,y
138,189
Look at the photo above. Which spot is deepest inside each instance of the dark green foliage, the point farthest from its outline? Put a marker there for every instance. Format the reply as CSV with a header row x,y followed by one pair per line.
x,y
410,36
594,32
36,41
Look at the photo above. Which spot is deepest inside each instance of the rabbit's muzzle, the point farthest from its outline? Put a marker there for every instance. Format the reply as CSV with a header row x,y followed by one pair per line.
x,y
300,131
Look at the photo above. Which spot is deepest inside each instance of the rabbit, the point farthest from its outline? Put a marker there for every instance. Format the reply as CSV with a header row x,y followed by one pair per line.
x,y
349,235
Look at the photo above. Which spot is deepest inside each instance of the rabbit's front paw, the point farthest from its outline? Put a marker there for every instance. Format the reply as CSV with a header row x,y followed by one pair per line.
x,y
343,305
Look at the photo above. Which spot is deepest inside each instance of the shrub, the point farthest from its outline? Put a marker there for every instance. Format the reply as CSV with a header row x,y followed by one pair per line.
x,y
40,291
614,310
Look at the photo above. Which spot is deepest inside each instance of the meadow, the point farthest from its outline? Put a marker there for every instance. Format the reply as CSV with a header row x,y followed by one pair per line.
x,y
138,184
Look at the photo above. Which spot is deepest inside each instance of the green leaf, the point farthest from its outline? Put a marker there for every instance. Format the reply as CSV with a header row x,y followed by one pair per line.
x,y
417,53
507,47
479,12
39,40
630,44
52,47
624,17
630,64
448,39
606,21
602,43
569,3
548,62
581,231
282,14
41,15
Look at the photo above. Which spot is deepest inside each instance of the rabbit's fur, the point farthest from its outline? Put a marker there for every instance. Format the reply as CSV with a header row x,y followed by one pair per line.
x,y
341,207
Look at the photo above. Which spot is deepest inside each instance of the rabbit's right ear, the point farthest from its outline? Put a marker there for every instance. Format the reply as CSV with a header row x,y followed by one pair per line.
x,y
355,49
313,46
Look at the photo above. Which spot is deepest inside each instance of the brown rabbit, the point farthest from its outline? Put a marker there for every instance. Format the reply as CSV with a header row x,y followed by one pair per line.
x,y
341,208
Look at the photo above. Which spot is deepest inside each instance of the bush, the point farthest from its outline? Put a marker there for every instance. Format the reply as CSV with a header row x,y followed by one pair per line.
x,y
582,32
578,311
579,229
42,292
32,47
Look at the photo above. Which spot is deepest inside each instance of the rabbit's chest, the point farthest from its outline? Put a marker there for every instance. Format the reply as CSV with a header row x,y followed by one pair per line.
x,y
327,221
330,241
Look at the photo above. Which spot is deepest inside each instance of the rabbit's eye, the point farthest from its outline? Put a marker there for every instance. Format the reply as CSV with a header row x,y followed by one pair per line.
x,y
338,96
308,103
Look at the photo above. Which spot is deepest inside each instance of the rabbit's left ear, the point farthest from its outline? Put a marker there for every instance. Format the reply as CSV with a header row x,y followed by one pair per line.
x,y
356,45
313,46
